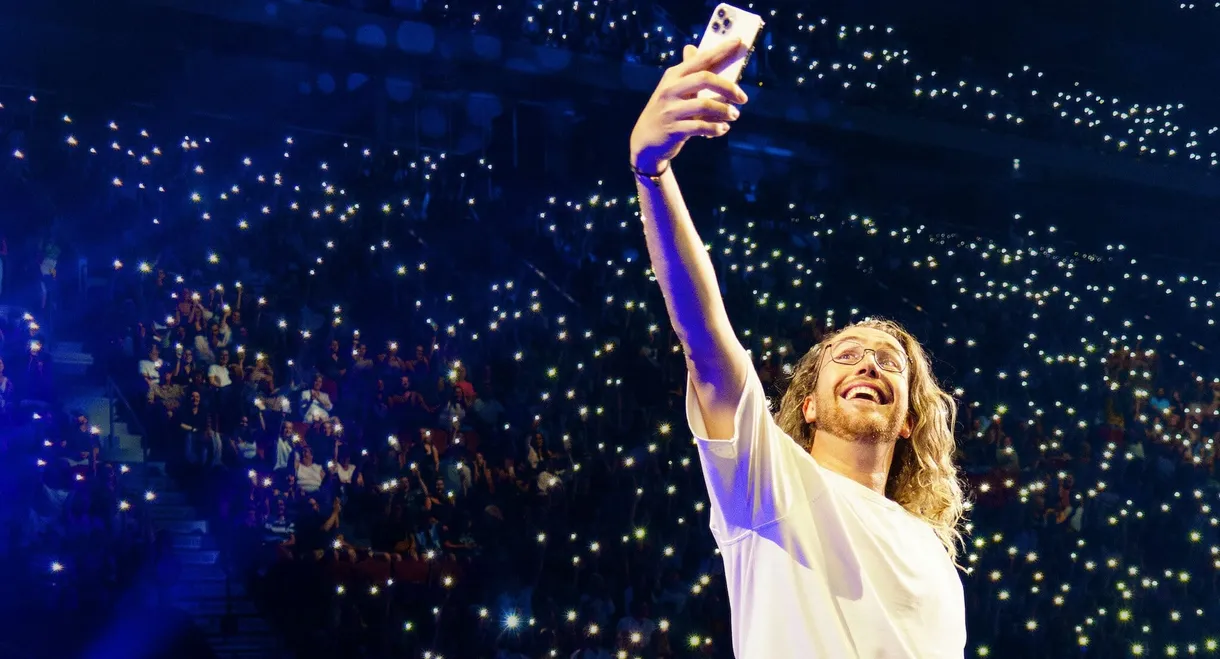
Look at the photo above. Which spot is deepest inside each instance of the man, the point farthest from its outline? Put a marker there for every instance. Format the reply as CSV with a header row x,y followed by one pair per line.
x,y
837,520
316,402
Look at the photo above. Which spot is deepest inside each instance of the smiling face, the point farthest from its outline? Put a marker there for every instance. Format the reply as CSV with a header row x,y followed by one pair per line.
x,y
867,401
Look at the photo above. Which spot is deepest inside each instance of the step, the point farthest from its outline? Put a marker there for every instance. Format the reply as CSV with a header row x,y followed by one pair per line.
x,y
60,356
250,630
124,455
68,346
61,360
182,526
69,369
253,649
199,557
153,471
124,442
209,590
248,653
191,541
171,498
150,472
158,482
200,572
163,512
216,607
95,406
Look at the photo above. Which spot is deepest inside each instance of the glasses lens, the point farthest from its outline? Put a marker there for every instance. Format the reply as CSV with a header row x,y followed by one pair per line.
x,y
891,360
847,352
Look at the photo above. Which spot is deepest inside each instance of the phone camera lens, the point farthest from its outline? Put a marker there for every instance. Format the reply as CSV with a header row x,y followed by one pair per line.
x,y
716,26
720,13
728,23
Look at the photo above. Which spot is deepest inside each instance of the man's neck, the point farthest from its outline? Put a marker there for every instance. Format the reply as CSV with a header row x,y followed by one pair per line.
x,y
867,464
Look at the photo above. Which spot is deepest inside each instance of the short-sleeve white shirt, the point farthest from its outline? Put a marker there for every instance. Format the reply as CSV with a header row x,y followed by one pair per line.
x,y
817,565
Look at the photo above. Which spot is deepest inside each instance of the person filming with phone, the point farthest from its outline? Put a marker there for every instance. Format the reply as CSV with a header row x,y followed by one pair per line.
x,y
837,517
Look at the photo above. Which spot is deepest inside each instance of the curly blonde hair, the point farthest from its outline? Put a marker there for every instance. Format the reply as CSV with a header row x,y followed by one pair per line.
x,y
922,478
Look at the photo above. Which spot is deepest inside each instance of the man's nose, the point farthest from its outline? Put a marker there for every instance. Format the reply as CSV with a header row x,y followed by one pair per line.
x,y
869,365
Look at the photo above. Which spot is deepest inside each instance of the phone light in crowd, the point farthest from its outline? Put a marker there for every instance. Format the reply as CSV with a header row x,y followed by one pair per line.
x,y
57,567
751,257
150,496
124,506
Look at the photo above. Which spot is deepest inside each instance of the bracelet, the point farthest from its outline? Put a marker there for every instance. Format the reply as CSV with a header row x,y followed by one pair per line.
x,y
655,178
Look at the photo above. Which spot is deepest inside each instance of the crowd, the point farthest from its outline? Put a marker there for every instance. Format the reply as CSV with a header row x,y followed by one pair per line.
x,y
80,549
410,451
420,431
861,63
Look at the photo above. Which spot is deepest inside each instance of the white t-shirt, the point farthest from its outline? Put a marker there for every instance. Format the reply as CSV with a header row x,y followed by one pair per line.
x,y
817,565
247,449
150,369
316,409
221,374
203,350
309,477
345,473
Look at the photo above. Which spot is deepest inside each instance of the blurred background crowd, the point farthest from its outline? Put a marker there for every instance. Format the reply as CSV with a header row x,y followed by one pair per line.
x,y
385,373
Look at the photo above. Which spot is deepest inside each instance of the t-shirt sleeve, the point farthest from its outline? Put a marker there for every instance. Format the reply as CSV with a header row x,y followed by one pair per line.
x,y
756,477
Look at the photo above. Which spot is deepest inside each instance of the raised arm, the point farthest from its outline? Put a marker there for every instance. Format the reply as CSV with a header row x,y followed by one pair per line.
x,y
714,357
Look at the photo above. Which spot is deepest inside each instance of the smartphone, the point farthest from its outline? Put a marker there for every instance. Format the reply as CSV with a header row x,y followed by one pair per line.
x,y
729,22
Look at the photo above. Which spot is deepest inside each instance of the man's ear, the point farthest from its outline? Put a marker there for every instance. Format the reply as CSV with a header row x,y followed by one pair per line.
x,y
908,427
808,411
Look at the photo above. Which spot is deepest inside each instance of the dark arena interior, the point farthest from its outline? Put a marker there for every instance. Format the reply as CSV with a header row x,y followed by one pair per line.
x,y
328,328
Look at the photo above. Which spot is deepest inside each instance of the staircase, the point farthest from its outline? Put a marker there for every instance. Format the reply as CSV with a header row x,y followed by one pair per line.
x,y
220,607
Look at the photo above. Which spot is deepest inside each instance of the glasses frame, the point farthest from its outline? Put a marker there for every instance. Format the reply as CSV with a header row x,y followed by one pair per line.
x,y
833,349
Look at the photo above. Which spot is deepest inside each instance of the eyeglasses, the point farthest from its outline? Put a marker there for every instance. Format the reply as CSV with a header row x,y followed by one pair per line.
x,y
850,353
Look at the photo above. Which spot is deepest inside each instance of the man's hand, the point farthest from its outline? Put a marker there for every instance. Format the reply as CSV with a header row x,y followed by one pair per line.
x,y
675,113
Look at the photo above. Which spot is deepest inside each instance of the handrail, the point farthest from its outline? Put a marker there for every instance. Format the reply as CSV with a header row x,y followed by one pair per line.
x,y
113,392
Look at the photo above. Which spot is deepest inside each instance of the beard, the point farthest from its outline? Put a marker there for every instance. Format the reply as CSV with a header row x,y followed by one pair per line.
x,y
866,423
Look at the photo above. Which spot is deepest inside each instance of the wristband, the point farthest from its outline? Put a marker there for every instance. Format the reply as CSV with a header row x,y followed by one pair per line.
x,y
655,178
